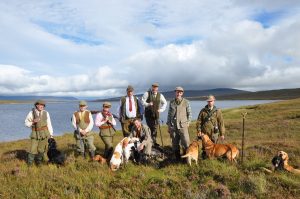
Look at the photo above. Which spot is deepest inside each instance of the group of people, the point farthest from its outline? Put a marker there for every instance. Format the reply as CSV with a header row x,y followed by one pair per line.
x,y
131,111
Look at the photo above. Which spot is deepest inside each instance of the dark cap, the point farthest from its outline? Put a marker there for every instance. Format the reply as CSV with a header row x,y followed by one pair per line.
x,y
129,88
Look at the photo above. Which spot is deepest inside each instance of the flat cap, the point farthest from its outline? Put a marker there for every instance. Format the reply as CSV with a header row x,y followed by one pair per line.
x,y
179,88
41,102
210,98
129,88
106,104
82,103
155,84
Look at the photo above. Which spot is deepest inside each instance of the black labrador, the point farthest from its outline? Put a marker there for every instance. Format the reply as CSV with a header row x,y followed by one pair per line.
x,y
55,156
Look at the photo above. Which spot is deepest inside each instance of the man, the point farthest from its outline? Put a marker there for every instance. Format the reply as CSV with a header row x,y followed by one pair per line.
x,y
41,129
82,122
154,103
129,110
105,121
142,132
210,122
179,118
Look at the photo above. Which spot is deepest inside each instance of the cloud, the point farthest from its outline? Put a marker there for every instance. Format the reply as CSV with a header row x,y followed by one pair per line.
x,y
86,48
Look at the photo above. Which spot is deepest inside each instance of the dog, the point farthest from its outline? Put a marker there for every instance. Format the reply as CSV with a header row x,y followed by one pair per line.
x,y
122,151
218,150
54,155
100,159
192,153
280,162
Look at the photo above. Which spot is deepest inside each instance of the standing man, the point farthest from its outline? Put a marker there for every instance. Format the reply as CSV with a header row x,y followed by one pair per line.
x,y
128,110
41,129
179,118
105,121
142,132
82,122
210,122
154,103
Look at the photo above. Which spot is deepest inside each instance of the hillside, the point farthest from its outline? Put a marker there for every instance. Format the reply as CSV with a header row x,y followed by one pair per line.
x,y
269,128
259,95
190,94
33,97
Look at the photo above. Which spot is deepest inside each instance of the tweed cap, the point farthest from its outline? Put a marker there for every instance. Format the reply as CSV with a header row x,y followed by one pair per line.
x,y
210,98
129,88
82,103
179,88
106,104
155,84
41,102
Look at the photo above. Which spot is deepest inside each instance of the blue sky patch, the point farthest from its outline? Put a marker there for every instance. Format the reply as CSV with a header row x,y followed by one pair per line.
x,y
267,19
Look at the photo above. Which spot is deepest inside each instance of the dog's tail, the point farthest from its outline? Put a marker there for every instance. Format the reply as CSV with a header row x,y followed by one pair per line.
x,y
186,155
235,154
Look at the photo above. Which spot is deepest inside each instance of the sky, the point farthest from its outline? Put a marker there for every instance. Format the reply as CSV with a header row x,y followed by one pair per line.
x,y
97,48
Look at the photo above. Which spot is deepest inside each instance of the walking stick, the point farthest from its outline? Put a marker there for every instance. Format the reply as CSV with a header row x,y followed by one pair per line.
x,y
162,142
243,135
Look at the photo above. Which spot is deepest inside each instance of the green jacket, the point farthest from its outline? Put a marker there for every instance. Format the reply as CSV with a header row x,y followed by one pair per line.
x,y
40,130
144,136
210,121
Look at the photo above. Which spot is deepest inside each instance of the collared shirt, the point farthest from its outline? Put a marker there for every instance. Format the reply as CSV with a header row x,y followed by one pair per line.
x,y
89,127
163,101
29,121
132,113
99,121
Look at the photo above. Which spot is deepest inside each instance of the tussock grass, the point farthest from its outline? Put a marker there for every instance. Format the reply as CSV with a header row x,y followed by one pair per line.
x,y
269,128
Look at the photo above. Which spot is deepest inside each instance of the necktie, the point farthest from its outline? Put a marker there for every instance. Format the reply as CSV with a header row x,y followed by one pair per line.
x,y
130,104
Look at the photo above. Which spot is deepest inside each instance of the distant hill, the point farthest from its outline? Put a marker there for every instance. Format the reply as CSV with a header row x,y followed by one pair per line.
x,y
31,98
281,94
191,94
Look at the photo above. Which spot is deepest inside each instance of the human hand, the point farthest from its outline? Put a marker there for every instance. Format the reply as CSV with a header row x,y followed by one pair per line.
x,y
150,103
36,120
222,137
141,147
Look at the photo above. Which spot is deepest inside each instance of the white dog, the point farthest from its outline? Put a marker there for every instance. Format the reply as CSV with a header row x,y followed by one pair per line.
x,y
121,153
117,156
128,149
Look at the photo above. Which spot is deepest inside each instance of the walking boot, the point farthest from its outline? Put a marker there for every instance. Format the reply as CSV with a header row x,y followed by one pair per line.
x,y
92,155
30,159
39,158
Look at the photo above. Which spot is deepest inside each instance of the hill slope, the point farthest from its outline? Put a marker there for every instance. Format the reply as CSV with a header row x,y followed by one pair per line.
x,y
269,128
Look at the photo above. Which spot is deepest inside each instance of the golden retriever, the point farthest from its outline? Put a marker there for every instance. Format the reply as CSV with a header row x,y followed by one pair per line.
x,y
192,153
286,166
218,150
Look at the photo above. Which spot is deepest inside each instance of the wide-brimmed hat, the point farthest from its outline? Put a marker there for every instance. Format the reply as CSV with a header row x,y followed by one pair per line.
x,y
129,88
210,98
106,104
82,103
41,102
179,88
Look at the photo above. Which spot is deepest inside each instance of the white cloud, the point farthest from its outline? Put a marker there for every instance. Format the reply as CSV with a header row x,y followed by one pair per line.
x,y
99,47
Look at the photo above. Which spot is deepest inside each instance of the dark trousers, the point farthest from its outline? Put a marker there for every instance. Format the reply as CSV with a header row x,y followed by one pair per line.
x,y
153,125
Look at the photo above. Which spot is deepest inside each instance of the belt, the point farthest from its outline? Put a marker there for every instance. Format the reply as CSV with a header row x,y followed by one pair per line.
x,y
40,129
104,127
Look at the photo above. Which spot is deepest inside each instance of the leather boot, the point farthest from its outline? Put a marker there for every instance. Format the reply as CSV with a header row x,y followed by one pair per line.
x,y
92,154
39,158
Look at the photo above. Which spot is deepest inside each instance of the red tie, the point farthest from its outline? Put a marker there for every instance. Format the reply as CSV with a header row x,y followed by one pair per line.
x,y
130,104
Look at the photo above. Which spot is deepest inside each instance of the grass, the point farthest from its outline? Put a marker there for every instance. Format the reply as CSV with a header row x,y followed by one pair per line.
x,y
269,128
